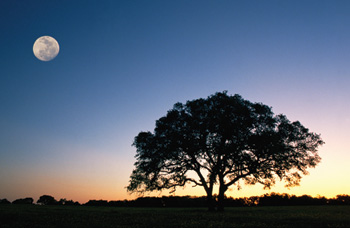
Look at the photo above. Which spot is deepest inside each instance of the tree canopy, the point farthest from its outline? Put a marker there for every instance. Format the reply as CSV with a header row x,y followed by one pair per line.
x,y
222,140
47,200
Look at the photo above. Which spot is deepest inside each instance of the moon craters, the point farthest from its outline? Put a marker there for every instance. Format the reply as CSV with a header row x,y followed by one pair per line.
x,y
46,48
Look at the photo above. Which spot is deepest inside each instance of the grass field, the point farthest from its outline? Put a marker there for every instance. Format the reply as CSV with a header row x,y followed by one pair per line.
x,y
84,216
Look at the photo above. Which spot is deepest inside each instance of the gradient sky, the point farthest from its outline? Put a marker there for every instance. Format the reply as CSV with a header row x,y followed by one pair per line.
x,y
66,126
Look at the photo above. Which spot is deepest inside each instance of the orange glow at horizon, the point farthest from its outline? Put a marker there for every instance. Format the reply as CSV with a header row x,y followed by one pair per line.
x,y
109,182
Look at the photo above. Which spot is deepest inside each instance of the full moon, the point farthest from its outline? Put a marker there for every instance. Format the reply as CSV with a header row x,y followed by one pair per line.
x,y
46,48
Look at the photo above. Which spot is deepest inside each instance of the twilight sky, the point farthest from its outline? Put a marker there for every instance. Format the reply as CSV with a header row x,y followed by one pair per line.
x,y
66,126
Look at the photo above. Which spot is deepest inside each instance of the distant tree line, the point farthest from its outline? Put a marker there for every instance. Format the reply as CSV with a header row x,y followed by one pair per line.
x,y
272,199
43,200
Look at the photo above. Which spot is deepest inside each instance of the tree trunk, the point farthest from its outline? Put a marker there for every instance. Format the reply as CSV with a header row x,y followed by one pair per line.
x,y
220,202
221,198
210,202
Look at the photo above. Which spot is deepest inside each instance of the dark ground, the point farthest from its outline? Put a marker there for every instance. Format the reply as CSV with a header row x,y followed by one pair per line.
x,y
85,216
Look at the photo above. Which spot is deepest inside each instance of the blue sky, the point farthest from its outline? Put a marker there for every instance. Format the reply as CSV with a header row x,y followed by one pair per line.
x,y
66,126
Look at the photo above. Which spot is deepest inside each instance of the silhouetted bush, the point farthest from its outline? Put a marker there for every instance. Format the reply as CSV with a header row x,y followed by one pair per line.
x,y
67,202
119,203
97,203
149,202
183,201
27,200
274,199
71,203
239,202
4,201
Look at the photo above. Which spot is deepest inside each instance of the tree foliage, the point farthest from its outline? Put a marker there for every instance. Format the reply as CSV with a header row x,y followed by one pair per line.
x,y
222,140
47,200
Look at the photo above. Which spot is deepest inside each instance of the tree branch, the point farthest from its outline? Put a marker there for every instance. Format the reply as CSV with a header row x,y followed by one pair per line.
x,y
194,181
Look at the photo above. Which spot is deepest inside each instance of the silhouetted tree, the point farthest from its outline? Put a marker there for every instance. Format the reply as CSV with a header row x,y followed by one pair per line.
x,y
47,200
222,139
274,199
97,203
343,199
27,200
4,201
66,202
62,201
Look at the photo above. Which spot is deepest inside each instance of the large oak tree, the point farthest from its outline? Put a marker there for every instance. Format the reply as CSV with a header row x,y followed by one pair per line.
x,y
222,140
